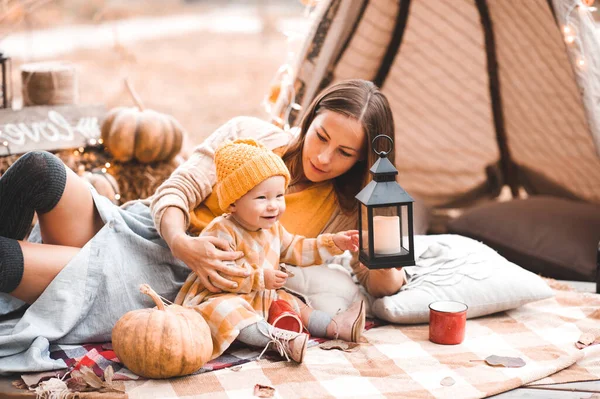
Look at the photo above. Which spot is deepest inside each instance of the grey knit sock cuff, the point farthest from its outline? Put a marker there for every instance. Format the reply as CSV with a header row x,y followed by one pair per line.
x,y
55,176
318,322
11,264
255,334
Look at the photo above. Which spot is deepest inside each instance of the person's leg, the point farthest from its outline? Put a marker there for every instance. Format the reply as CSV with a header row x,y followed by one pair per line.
x,y
40,182
288,343
26,269
75,219
347,325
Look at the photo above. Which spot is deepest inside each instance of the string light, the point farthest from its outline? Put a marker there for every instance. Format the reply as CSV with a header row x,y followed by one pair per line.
x,y
107,165
93,141
81,149
569,33
117,197
5,144
103,170
100,141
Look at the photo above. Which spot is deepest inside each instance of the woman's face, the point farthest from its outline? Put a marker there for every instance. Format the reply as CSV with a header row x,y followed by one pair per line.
x,y
332,145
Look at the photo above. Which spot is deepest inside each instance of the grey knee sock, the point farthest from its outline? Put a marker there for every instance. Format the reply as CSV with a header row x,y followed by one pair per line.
x,y
255,334
317,323
35,183
11,264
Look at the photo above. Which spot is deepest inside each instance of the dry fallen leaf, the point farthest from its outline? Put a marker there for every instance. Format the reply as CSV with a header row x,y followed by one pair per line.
x,y
91,378
111,388
109,384
586,339
339,344
85,379
108,375
76,384
448,382
263,391
19,384
505,361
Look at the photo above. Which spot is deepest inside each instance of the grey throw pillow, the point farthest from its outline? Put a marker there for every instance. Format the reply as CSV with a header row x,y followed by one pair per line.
x,y
549,236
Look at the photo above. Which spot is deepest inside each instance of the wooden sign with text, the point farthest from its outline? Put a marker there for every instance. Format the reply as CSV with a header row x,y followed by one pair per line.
x,y
49,128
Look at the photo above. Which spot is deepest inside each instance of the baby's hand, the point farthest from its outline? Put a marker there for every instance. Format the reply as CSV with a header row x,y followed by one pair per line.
x,y
347,240
274,279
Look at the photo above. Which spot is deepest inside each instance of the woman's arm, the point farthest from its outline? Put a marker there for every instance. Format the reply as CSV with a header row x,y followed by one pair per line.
x,y
205,256
379,282
192,181
188,186
251,276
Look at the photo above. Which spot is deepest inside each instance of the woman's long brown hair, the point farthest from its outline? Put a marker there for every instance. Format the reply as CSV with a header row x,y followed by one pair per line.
x,y
360,100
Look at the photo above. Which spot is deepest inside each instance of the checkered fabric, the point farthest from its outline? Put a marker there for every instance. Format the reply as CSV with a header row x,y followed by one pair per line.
x,y
99,356
400,362
227,313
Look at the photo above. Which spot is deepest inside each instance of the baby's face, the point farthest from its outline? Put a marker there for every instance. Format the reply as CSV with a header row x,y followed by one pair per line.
x,y
262,206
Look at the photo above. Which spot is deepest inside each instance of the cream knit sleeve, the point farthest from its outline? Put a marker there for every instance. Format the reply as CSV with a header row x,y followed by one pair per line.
x,y
192,181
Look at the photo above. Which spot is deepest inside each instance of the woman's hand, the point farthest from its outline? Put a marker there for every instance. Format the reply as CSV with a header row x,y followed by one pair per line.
x,y
346,240
385,282
207,257
274,279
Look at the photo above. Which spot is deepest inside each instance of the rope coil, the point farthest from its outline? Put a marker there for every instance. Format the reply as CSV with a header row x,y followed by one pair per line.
x,y
49,83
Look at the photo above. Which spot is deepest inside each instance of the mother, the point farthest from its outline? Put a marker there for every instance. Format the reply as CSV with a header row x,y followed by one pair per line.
x,y
94,255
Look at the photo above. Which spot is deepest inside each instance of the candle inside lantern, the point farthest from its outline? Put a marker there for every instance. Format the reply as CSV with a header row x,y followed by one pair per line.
x,y
386,235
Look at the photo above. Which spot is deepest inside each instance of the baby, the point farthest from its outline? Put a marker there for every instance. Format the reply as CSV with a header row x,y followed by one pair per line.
x,y
251,183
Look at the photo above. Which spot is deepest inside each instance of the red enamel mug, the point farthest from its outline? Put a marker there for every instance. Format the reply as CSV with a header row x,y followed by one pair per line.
x,y
447,321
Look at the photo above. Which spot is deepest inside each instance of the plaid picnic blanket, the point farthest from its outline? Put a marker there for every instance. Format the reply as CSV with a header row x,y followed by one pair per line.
x,y
99,356
399,361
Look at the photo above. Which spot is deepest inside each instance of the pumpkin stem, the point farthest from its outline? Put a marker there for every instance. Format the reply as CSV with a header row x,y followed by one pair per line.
x,y
146,289
136,98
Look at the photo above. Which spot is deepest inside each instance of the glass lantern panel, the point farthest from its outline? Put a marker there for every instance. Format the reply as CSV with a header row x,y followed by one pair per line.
x,y
9,88
403,210
3,77
387,232
364,234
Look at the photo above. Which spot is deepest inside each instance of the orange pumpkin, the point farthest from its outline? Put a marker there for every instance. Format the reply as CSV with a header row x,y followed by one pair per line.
x,y
162,342
147,136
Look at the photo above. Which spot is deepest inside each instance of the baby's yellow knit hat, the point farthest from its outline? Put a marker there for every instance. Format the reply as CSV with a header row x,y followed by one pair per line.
x,y
241,166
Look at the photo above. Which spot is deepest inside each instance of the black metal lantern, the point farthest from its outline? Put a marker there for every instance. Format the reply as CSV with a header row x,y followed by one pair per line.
x,y
6,88
385,217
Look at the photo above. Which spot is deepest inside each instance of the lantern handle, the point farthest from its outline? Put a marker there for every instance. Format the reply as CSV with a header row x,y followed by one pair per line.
x,y
383,153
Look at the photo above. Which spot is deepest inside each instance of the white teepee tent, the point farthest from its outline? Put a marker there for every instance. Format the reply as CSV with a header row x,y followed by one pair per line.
x,y
484,92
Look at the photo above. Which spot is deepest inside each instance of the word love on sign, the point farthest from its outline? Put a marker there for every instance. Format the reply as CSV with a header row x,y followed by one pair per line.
x,y
49,128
